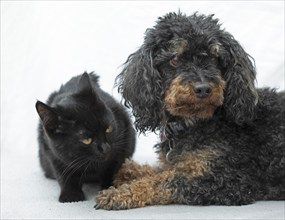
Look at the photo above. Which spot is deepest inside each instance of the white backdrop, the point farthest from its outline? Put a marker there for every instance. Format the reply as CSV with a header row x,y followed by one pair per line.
x,y
44,44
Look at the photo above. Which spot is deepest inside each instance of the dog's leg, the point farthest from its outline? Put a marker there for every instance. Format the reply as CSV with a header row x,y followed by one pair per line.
x,y
138,193
131,170
213,189
179,188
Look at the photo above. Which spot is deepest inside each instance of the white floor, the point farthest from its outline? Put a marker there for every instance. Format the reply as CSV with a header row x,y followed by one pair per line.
x,y
43,44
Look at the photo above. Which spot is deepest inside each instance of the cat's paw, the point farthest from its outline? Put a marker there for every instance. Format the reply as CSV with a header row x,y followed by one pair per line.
x,y
115,198
71,196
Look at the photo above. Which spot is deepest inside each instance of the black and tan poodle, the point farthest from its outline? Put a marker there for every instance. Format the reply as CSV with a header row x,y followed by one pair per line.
x,y
222,139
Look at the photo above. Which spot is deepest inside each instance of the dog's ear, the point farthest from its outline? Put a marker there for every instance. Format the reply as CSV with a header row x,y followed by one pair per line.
x,y
239,73
140,85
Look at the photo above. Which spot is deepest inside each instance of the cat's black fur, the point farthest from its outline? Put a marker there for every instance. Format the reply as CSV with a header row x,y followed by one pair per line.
x,y
84,136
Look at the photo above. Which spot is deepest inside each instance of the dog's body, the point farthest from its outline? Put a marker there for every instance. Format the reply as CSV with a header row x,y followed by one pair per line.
x,y
222,140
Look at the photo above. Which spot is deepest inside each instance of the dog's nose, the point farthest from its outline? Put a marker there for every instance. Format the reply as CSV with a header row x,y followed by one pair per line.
x,y
202,90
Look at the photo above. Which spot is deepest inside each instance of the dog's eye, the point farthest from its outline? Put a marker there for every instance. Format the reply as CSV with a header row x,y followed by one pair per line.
x,y
174,61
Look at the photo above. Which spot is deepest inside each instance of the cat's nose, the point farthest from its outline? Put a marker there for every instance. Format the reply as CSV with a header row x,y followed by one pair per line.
x,y
104,148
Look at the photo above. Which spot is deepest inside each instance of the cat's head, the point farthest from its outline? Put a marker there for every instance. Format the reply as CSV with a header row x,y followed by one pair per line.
x,y
78,125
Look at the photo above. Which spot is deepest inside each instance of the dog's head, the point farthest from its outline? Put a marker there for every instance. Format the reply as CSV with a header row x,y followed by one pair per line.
x,y
188,67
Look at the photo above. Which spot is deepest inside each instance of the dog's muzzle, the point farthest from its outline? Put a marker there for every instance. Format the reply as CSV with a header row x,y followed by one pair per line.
x,y
194,99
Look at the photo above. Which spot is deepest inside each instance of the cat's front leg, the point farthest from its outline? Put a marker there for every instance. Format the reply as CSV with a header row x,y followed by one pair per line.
x,y
149,190
71,190
130,170
71,195
69,181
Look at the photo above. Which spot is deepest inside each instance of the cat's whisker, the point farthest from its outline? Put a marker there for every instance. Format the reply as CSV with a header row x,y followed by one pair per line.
x,y
84,172
79,165
73,164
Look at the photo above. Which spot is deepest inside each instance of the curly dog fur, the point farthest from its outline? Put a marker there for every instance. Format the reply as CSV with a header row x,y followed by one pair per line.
x,y
222,139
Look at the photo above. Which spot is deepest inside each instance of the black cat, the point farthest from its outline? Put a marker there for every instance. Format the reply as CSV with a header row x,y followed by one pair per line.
x,y
84,136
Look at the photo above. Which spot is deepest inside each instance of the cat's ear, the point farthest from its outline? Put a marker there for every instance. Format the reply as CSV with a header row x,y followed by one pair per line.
x,y
85,90
84,86
48,116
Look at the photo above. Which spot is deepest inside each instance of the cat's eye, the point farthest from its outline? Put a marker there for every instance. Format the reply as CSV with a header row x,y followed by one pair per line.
x,y
87,141
109,129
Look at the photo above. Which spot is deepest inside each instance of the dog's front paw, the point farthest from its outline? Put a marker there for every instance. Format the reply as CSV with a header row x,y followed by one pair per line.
x,y
115,198
138,193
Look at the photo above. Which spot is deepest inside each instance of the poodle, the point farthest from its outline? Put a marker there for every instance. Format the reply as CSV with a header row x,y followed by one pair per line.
x,y
222,140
